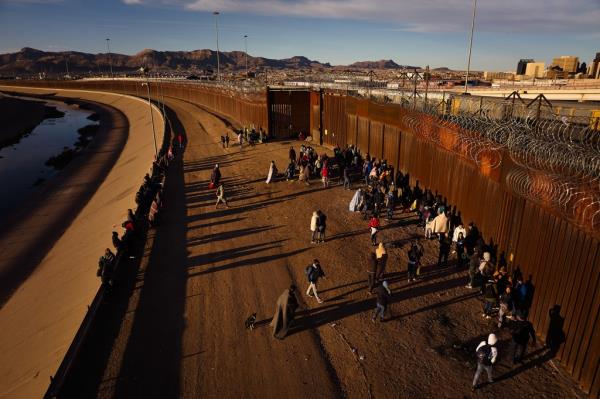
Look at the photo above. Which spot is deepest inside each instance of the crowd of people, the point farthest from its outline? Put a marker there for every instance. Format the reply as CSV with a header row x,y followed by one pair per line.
x,y
504,295
149,201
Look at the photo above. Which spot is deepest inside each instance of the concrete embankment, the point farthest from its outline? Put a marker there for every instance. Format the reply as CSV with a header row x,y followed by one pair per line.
x,y
79,209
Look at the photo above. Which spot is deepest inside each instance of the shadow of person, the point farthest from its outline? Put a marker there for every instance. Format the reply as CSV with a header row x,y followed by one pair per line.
x,y
555,336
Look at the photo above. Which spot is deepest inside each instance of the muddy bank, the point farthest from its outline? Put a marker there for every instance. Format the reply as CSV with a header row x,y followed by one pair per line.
x,y
19,117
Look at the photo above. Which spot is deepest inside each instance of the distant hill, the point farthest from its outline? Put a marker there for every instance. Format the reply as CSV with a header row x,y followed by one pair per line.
x,y
29,60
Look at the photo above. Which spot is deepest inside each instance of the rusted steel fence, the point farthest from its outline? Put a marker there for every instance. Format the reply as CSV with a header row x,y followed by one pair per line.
x,y
492,181
559,255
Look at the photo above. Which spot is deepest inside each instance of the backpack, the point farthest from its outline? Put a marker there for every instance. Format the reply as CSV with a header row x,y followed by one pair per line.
x,y
484,355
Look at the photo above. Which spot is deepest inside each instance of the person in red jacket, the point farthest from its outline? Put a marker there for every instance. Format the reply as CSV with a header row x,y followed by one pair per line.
x,y
374,229
325,173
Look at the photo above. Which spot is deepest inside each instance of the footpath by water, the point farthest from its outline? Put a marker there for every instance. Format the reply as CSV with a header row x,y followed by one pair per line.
x,y
22,165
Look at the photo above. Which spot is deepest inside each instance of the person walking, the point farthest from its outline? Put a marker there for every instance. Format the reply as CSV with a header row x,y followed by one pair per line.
x,y
321,226
487,353
215,176
285,310
313,273
382,258
313,227
384,295
374,229
522,330
372,271
221,196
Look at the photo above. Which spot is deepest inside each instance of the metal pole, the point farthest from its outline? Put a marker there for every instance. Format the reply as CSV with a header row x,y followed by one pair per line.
x,y
470,44
151,118
109,58
216,14
246,47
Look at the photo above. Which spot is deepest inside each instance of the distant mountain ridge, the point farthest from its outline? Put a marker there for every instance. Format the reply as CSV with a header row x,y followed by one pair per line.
x,y
29,60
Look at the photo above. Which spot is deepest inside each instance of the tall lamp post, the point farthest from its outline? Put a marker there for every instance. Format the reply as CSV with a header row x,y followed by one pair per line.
x,y
147,84
216,14
470,44
109,57
246,47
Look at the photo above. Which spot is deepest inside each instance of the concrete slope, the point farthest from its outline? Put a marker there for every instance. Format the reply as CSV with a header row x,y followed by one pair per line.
x,y
41,318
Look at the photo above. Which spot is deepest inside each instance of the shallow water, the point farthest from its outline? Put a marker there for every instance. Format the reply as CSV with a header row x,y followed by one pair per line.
x,y
22,168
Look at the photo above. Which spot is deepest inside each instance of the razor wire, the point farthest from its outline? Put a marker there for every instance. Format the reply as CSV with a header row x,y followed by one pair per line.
x,y
557,160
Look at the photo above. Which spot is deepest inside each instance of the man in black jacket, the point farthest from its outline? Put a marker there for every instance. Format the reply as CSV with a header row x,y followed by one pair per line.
x,y
384,295
313,273
321,226
521,331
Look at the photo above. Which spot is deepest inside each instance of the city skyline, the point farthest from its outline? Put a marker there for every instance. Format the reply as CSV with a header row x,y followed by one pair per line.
x,y
327,31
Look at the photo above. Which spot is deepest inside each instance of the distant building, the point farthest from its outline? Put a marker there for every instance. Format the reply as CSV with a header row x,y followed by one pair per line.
x,y
488,75
567,63
595,67
535,69
522,66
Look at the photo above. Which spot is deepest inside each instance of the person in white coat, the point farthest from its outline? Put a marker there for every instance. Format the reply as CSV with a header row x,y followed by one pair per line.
x,y
272,172
313,227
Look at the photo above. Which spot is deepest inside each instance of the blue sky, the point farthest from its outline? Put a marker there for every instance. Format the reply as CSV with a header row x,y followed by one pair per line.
x,y
417,32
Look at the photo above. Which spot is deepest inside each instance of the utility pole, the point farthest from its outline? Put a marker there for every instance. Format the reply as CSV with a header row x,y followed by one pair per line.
x,y
470,44
216,14
109,58
246,47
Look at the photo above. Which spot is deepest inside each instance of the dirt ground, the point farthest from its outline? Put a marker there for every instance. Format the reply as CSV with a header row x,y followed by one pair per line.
x,y
177,328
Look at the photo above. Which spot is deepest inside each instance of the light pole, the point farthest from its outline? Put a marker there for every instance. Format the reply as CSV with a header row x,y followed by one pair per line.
x,y
470,44
147,84
246,47
216,14
109,57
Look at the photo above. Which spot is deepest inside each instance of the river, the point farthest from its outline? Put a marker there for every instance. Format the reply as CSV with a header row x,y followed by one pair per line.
x,y
22,165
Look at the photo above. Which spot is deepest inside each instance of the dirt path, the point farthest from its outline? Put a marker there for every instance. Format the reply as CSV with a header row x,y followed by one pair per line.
x,y
181,332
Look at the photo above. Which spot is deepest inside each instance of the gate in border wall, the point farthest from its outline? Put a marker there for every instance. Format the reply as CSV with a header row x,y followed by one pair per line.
x,y
562,259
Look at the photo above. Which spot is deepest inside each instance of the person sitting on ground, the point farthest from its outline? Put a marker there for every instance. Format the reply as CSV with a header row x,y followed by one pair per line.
x,y
356,201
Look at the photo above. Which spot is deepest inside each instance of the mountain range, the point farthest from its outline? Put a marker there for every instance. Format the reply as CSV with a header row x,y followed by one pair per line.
x,y
29,60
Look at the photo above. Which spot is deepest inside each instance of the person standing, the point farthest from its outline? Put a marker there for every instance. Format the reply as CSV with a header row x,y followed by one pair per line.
x,y
522,330
240,140
313,273
490,297
221,196
321,226
292,155
473,269
374,229
285,310
372,271
461,254
313,227
346,176
215,176
227,139
223,141
384,295
382,258
325,173
487,353
444,250
390,204
272,172
414,259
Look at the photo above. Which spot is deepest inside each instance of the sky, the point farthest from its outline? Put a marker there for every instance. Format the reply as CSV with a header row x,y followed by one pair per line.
x,y
416,32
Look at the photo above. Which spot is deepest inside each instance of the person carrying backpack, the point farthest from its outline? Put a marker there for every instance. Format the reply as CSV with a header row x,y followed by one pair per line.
x,y
487,353
313,273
